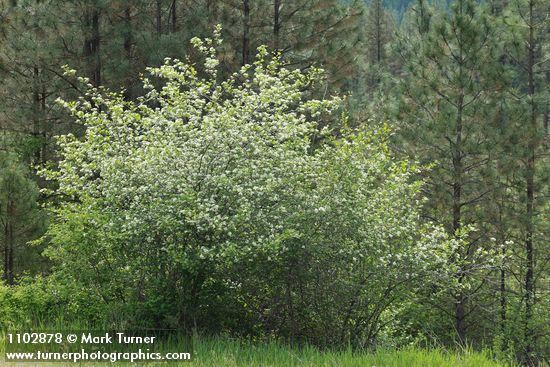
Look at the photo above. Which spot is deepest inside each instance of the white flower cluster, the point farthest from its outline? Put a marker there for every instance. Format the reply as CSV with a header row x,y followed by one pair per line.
x,y
224,171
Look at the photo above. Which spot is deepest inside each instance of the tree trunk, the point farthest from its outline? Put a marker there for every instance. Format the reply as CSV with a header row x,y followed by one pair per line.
x,y
530,191
378,32
546,117
529,278
36,129
91,45
503,303
246,32
212,11
159,16
174,17
457,194
128,45
128,39
457,206
458,170
9,243
276,24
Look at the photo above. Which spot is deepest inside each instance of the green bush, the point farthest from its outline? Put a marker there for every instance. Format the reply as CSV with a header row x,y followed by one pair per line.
x,y
25,303
224,205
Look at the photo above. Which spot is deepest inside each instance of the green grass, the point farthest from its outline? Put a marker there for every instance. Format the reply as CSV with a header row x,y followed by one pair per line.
x,y
224,351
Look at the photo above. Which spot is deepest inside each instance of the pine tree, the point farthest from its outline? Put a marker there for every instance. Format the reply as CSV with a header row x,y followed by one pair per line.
x,y
448,96
526,25
380,31
27,59
20,217
306,32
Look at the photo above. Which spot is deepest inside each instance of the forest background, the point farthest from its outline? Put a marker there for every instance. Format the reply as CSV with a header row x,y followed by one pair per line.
x,y
428,220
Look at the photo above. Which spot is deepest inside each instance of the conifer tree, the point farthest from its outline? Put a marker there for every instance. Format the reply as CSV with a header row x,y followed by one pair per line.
x,y
20,217
448,94
325,33
526,27
27,58
380,32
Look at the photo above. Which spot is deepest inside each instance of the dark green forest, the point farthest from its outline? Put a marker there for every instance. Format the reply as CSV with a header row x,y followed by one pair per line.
x,y
346,175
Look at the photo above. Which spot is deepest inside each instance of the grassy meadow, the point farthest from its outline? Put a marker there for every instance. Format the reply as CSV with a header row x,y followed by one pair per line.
x,y
226,351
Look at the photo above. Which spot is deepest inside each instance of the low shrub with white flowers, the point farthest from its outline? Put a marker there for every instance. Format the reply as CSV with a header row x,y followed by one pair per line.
x,y
229,205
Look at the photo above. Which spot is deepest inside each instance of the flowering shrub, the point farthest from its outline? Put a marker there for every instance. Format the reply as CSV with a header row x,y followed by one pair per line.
x,y
223,204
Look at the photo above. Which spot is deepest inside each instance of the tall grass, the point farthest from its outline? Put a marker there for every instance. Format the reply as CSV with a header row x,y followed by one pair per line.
x,y
225,351
235,353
